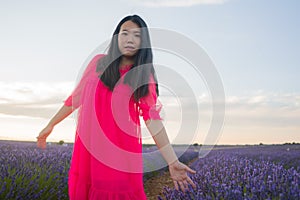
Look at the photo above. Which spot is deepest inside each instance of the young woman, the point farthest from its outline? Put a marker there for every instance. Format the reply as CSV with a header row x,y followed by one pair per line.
x,y
113,92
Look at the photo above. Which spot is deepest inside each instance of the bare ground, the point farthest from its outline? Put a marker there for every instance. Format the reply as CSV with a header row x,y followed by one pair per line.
x,y
154,186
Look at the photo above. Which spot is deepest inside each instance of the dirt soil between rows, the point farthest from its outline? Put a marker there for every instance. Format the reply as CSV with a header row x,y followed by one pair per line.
x,y
154,186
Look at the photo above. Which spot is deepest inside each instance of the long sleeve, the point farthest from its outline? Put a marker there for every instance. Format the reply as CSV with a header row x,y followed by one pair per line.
x,y
149,106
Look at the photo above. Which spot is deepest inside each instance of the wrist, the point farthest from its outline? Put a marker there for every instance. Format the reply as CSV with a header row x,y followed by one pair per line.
x,y
174,163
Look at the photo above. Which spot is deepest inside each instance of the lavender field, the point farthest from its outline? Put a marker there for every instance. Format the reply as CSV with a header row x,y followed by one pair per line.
x,y
30,173
232,172
253,172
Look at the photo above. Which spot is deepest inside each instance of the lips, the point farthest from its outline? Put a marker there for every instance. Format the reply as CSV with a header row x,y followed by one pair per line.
x,y
129,48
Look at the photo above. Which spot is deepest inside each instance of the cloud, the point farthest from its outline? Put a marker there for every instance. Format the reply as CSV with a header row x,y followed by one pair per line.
x,y
177,3
42,100
253,113
32,99
260,112
265,99
264,109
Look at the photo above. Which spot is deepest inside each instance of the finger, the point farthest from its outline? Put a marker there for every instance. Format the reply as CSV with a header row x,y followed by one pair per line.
x,y
191,182
186,185
181,186
176,185
41,143
190,170
44,145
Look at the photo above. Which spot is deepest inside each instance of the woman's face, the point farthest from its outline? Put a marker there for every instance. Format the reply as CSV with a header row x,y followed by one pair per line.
x,y
129,39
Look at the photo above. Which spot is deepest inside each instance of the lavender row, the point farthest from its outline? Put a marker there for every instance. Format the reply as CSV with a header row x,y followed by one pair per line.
x,y
260,172
30,173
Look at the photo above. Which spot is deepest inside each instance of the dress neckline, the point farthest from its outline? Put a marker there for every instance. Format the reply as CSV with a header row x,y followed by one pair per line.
x,y
125,67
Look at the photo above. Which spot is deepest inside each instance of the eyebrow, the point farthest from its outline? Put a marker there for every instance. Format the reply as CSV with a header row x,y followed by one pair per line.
x,y
136,31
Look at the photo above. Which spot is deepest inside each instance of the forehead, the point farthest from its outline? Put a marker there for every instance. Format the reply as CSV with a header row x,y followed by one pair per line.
x,y
130,26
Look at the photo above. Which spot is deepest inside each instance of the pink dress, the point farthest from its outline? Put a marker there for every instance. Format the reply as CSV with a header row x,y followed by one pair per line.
x,y
107,156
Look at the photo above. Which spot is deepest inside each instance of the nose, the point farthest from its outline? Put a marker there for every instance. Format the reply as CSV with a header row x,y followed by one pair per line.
x,y
130,38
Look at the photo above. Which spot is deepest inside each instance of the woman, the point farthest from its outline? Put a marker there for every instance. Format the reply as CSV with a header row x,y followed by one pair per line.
x,y
114,91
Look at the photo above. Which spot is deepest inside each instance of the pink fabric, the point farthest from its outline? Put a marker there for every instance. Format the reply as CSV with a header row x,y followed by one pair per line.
x,y
107,155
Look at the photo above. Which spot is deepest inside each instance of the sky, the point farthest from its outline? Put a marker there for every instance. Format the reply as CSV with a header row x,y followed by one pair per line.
x,y
253,44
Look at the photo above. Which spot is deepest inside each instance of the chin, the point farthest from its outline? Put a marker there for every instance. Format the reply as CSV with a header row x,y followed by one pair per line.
x,y
129,54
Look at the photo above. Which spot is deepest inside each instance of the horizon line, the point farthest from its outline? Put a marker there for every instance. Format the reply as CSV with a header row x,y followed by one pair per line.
x,y
194,144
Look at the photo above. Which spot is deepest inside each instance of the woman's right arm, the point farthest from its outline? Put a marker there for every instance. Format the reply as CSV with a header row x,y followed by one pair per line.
x,y
63,112
71,103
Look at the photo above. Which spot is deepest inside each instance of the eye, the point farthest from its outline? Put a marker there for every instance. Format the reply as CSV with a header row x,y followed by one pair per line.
x,y
137,35
124,33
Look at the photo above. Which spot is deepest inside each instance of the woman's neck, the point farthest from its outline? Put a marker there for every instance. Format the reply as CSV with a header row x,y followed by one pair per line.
x,y
125,61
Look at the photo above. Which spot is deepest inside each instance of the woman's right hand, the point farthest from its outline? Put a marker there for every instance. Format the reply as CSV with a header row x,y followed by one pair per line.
x,y
41,139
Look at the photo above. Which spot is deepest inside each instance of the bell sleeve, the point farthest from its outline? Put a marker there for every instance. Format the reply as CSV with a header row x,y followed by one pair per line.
x,y
149,105
74,99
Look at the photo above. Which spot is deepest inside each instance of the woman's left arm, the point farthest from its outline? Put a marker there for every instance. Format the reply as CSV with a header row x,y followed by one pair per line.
x,y
178,170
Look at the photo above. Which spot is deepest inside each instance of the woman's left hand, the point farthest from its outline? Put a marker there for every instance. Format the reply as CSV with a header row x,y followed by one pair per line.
x,y
178,172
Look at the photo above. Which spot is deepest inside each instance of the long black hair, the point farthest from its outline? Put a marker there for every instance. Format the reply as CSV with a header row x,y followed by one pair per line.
x,y
109,65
